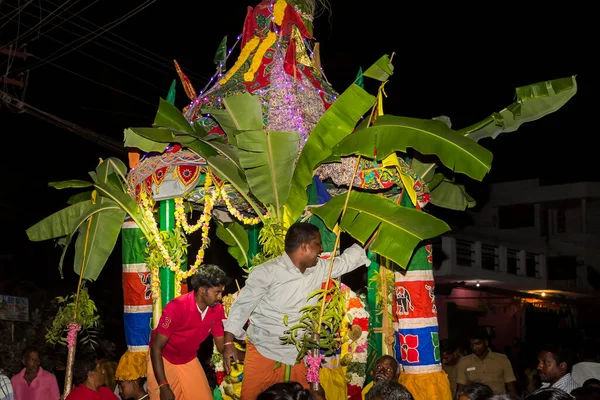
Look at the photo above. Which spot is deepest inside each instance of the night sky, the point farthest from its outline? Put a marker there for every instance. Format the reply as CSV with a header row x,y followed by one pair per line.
x,y
463,62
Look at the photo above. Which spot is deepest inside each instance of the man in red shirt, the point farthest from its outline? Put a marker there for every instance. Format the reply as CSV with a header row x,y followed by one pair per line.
x,y
89,376
174,371
33,382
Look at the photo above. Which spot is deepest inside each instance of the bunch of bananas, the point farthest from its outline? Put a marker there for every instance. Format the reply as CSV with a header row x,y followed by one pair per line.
x,y
329,339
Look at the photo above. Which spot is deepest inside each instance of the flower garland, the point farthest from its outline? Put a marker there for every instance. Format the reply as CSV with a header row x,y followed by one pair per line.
x,y
174,255
313,363
354,349
244,54
72,334
203,222
234,211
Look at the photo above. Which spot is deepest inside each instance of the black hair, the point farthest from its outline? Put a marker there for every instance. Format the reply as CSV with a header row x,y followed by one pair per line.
x,y
286,391
447,346
83,366
28,350
549,394
592,382
208,275
476,391
479,333
560,354
586,393
299,233
389,390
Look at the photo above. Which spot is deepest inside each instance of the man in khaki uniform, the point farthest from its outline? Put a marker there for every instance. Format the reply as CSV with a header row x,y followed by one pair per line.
x,y
485,366
450,359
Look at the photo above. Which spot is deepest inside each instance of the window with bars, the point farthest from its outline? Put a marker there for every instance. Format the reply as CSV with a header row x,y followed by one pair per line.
x,y
489,257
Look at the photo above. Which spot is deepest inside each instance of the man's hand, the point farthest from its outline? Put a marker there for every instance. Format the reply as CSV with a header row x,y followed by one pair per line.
x,y
229,353
166,393
318,394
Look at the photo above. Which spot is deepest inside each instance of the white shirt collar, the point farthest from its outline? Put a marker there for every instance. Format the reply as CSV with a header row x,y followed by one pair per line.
x,y
202,313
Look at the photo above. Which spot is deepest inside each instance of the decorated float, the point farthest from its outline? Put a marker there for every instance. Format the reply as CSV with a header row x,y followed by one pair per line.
x,y
269,142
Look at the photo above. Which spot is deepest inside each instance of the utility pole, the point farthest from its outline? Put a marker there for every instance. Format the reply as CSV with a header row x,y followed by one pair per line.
x,y
19,80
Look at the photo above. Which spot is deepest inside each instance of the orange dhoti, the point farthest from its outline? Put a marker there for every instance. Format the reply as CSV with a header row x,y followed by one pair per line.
x,y
187,381
260,373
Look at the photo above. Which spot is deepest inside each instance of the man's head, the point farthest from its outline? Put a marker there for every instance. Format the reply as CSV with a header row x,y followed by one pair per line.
x,y
132,389
388,390
87,370
553,363
31,359
303,244
208,284
449,353
479,343
386,369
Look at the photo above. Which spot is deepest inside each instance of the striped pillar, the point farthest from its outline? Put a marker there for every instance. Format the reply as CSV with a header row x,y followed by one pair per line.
x,y
137,298
417,341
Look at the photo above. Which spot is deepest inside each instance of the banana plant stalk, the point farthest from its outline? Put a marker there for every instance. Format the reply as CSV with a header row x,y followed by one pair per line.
x,y
72,344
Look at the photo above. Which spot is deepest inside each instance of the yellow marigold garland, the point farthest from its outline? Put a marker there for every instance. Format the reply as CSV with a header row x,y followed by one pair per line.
x,y
233,211
244,54
279,11
258,56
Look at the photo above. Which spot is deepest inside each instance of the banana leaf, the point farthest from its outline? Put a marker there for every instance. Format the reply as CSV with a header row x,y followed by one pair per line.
x,y
126,202
380,70
58,224
399,229
533,102
268,160
70,184
446,193
96,241
335,124
390,134
169,116
236,238
103,247
135,140
79,197
98,236
243,112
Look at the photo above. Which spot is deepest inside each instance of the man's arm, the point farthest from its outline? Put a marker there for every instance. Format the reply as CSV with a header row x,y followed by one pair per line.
x,y
159,343
256,286
352,258
510,381
511,388
461,376
53,389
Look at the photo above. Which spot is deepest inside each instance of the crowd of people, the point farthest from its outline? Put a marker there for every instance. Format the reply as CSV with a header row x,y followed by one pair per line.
x,y
280,287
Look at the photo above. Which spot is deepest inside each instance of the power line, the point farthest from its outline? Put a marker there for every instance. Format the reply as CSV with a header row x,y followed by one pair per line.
x,y
94,34
99,60
41,23
167,62
101,84
85,133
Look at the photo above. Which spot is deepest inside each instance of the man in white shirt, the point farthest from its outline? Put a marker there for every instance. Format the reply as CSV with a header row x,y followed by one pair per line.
x,y
278,288
554,368
588,367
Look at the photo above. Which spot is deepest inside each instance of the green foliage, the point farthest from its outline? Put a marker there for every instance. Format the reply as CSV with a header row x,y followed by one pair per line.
x,y
271,239
83,312
300,334
176,244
